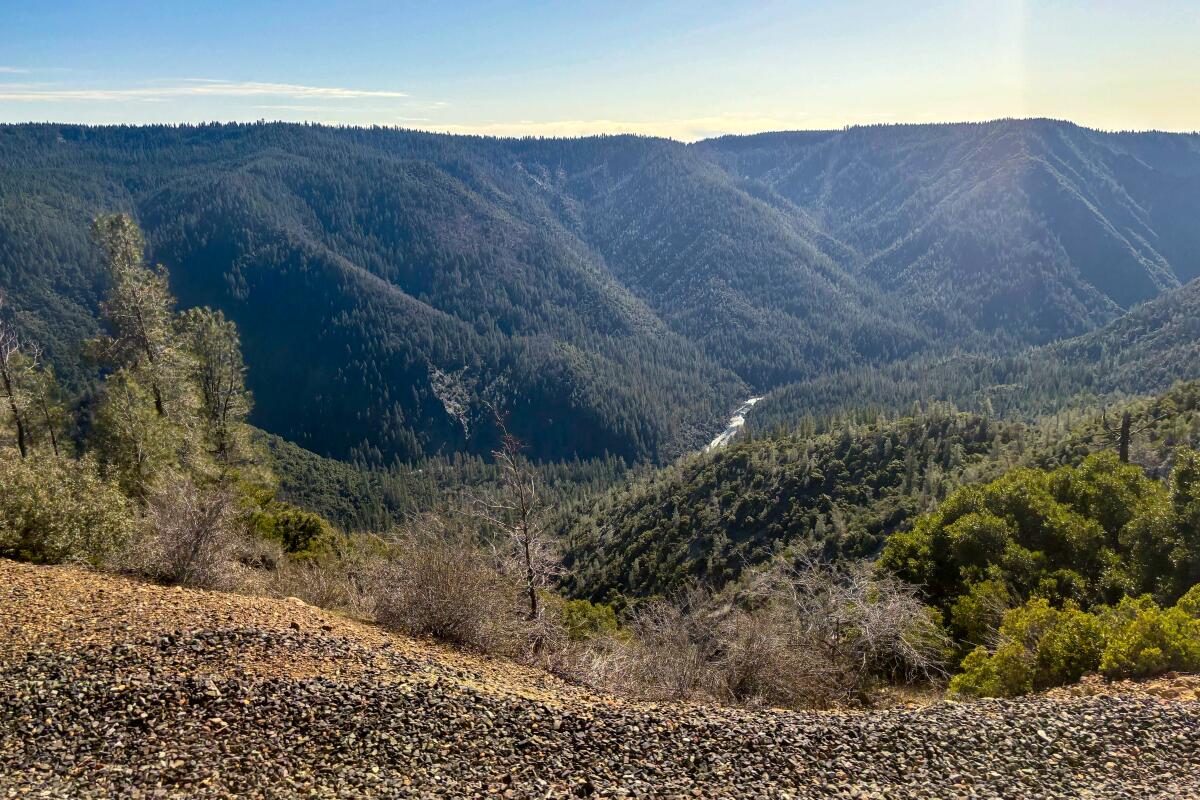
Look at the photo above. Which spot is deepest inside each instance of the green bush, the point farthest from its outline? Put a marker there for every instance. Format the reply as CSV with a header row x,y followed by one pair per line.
x,y
977,613
1144,639
1041,646
1007,672
301,533
1190,602
1087,535
586,620
54,511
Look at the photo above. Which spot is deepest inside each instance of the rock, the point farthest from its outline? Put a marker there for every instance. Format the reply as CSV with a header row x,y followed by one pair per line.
x,y
225,706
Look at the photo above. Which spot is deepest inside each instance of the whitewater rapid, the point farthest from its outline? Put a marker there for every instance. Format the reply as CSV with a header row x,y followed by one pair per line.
x,y
735,424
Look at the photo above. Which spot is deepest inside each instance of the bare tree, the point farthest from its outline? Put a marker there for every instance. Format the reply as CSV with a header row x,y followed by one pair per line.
x,y
10,355
46,399
1122,434
520,514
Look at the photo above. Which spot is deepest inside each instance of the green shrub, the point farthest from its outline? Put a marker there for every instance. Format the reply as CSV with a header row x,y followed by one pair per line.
x,y
1087,534
1190,602
54,511
1007,672
586,620
1041,646
301,533
1068,649
1144,639
977,614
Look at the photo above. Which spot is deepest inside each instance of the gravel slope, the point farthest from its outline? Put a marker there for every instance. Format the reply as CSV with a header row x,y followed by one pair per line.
x,y
111,688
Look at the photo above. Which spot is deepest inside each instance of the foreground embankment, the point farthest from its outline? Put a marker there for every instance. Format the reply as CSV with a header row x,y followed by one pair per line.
x,y
114,688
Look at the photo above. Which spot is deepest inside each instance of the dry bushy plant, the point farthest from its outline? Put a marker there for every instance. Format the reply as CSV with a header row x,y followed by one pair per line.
x,y
440,584
193,536
851,625
807,636
670,654
343,579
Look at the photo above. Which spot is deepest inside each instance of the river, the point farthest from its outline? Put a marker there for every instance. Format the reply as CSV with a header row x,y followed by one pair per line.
x,y
735,424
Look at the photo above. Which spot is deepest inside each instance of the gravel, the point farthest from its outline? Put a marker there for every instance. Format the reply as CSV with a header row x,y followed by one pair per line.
x,y
261,705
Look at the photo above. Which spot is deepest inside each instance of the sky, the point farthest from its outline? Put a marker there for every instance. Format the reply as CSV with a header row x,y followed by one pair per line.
x,y
686,70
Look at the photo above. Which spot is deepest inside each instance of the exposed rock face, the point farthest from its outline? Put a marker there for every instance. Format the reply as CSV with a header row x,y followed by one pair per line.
x,y
210,695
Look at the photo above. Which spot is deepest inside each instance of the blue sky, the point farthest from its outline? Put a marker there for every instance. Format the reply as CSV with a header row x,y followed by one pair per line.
x,y
680,69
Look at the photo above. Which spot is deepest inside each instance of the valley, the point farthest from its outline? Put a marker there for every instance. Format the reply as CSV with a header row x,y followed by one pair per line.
x,y
536,401
373,462
617,294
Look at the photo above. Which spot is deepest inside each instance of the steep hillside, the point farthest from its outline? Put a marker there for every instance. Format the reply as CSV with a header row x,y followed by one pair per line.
x,y
116,688
618,295
1143,351
1028,229
840,491
836,493
388,286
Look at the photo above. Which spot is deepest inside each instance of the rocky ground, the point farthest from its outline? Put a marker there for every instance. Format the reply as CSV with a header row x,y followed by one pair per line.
x,y
112,688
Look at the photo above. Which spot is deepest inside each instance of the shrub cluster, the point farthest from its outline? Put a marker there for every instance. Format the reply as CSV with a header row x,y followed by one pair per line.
x,y
812,635
1039,646
60,510
438,584
1087,535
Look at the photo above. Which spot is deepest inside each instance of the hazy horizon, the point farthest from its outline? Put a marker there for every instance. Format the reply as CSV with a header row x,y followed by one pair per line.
x,y
599,134
685,71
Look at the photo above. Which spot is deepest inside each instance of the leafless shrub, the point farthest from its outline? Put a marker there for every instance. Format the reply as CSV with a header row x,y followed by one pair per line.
x,y
343,579
851,625
672,650
759,662
807,636
193,536
440,584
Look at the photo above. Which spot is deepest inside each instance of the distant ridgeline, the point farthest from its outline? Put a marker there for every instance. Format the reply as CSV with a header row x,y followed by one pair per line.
x,y
619,295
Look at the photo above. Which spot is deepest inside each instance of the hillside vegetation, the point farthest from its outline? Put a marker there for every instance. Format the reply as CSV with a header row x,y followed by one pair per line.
x,y
838,490
1141,352
618,295
217,695
470,369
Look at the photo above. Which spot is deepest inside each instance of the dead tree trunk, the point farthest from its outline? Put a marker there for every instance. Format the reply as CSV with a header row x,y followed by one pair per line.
x,y
1123,438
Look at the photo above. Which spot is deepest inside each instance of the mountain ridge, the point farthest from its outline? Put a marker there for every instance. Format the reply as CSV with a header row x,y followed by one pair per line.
x,y
617,294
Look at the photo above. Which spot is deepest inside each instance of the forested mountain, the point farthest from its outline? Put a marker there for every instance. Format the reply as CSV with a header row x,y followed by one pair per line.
x,y
1029,230
1144,350
388,286
615,295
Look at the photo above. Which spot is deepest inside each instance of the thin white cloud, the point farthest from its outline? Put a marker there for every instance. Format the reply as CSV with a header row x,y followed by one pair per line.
x,y
14,70
195,87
